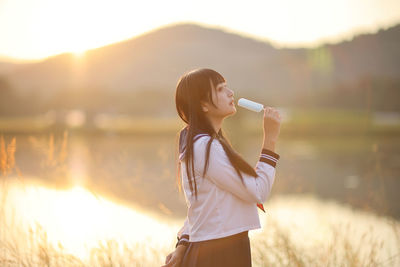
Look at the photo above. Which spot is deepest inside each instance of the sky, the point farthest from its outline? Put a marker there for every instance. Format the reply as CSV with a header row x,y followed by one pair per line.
x,y
36,29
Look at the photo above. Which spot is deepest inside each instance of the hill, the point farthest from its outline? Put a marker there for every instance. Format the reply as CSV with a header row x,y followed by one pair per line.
x,y
117,77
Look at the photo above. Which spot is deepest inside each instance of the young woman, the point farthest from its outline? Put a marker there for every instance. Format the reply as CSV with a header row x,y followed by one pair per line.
x,y
222,190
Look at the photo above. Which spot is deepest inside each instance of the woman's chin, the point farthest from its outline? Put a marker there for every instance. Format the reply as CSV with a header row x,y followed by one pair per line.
x,y
233,112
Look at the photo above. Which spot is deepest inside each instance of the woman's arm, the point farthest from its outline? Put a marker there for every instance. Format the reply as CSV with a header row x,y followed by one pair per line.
x,y
175,257
183,233
221,172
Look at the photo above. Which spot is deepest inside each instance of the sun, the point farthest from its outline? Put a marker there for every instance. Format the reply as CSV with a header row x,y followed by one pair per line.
x,y
79,53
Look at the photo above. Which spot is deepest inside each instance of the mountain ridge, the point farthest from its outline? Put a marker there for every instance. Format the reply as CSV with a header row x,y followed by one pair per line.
x,y
153,61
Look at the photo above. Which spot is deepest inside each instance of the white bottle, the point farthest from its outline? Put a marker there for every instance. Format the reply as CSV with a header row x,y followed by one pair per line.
x,y
250,105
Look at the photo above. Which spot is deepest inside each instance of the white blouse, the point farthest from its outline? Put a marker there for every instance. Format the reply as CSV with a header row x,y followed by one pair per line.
x,y
224,206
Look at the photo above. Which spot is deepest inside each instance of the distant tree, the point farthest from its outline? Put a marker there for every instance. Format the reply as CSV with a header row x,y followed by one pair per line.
x,y
7,97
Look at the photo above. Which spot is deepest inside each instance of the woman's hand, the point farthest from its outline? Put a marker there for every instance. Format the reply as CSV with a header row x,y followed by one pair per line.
x,y
174,258
271,127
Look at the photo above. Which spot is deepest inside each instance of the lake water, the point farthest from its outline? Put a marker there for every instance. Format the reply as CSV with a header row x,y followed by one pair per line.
x,y
320,183
43,224
363,172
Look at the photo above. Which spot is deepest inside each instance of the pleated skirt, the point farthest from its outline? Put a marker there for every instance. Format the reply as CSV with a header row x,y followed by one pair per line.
x,y
233,251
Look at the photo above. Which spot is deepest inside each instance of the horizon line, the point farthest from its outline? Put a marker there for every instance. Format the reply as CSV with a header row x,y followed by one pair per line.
x,y
277,45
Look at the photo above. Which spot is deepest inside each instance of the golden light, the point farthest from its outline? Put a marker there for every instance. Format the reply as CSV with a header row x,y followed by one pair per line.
x,y
79,53
80,220
47,27
54,27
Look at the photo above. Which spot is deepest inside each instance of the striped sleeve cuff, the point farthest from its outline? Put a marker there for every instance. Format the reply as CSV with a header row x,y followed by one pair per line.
x,y
269,157
184,240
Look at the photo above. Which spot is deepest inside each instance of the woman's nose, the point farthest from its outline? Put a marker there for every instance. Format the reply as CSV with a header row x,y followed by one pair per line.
x,y
231,93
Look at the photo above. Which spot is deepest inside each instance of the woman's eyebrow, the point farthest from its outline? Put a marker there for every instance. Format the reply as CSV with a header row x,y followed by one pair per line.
x,y
222,84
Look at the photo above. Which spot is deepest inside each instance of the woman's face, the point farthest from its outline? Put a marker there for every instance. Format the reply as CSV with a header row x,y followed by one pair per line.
x,y
222,97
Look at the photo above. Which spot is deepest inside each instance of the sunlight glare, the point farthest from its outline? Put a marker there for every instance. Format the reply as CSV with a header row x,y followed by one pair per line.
x,y
79,219
79,53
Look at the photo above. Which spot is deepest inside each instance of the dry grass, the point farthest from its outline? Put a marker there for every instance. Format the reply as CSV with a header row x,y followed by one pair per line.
x,y
272,247
32,248
275,247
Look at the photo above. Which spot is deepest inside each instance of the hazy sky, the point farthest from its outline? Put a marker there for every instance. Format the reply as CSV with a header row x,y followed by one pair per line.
x,y
33,29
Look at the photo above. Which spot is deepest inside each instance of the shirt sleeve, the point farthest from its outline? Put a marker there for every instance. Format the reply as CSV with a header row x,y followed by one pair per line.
x,y
221,172
184,231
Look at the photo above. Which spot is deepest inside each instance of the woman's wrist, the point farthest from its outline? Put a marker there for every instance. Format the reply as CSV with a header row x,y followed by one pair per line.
x,y
180,249
183,240
269,144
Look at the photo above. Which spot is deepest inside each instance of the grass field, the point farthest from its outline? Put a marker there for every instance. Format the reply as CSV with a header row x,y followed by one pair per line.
x,y
296,231
296,122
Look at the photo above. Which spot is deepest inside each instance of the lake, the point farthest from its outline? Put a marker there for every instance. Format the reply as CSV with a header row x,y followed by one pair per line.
x,y
321,182
362,171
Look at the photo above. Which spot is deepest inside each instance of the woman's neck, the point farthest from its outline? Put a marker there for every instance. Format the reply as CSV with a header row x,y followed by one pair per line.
x,y
216,123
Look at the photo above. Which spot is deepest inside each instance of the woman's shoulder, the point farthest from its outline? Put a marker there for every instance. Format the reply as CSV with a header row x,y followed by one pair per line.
x,y
201,141
184,134
201,136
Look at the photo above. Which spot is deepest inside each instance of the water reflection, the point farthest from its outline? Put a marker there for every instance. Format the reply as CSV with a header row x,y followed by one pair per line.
x,y
80,219
141,168
138,172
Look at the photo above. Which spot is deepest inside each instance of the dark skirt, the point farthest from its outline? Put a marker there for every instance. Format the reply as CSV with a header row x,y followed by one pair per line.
x,y
230,251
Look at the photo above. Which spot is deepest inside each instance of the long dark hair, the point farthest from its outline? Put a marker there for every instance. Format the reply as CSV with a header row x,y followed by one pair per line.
x,y
192,88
